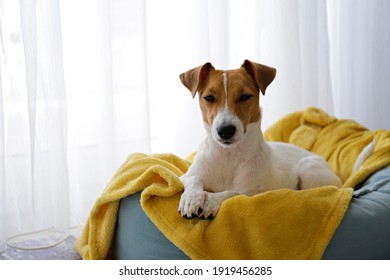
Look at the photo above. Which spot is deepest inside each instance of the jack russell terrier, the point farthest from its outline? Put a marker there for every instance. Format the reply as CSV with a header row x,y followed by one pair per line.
x,y
234,158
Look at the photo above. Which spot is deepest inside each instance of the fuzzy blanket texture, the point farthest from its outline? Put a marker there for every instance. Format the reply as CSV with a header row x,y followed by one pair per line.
x,y
279,224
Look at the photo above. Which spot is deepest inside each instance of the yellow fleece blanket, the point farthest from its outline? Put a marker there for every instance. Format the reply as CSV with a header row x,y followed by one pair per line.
x,y
280,224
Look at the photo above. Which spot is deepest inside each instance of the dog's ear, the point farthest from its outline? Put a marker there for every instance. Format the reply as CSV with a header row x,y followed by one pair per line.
x,y
194,79
262,75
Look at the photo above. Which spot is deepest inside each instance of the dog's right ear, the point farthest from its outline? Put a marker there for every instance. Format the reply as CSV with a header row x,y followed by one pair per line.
x,y
194,79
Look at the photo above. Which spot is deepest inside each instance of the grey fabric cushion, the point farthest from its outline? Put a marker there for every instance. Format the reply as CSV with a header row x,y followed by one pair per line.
x,y
137,238
363,233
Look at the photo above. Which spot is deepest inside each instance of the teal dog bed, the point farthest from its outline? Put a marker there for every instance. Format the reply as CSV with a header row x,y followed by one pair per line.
x,y
363,233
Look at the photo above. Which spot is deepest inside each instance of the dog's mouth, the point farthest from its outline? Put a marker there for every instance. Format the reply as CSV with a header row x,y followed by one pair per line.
x,y
227,143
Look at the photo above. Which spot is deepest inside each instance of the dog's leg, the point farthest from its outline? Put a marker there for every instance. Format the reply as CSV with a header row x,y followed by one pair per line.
x,y
213,202
192,200
313,172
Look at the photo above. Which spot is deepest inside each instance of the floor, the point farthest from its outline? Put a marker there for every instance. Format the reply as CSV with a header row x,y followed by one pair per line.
x,y
63,251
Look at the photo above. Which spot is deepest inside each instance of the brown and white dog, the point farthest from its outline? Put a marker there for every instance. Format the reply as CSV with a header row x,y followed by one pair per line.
x,y
234,158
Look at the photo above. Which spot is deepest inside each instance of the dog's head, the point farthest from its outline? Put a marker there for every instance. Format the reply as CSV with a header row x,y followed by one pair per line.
x,y
229,100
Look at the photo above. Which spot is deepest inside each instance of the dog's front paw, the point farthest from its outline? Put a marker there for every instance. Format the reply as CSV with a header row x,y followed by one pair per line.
x,y
191,203
211,206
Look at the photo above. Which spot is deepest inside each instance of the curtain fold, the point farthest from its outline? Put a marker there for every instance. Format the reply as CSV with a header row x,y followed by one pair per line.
x,y
85,83
35,183
3,246
360,61
107,93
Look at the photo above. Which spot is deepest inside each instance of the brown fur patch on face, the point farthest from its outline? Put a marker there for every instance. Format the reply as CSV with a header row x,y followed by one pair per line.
x,y
213,87
239,85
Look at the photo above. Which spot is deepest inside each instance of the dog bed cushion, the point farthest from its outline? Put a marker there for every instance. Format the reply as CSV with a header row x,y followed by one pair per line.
x,y
280,224
362,234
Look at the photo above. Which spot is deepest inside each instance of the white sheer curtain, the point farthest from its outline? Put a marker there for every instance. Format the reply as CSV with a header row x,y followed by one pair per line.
x,y
85,83
34,174
359,33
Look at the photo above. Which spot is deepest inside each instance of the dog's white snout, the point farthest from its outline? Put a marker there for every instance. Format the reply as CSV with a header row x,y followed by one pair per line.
x,y
227,128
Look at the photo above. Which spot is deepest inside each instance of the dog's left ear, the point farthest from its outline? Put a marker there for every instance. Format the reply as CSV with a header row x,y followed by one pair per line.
x,y
262,75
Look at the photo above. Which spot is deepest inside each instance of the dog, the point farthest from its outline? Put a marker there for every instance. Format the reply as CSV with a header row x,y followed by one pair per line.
x,y
234,158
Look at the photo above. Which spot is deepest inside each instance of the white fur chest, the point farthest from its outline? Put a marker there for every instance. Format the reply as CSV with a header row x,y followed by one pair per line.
x,y
239,169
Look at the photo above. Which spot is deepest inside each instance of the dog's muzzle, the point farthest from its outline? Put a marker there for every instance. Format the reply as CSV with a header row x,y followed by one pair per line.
x,y
226,133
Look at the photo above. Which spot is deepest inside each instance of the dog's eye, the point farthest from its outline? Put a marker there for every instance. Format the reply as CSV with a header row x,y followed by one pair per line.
x,y
210,98
244,97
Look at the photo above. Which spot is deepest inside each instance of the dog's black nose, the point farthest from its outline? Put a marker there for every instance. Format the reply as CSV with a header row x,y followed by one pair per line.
x,y
226,132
